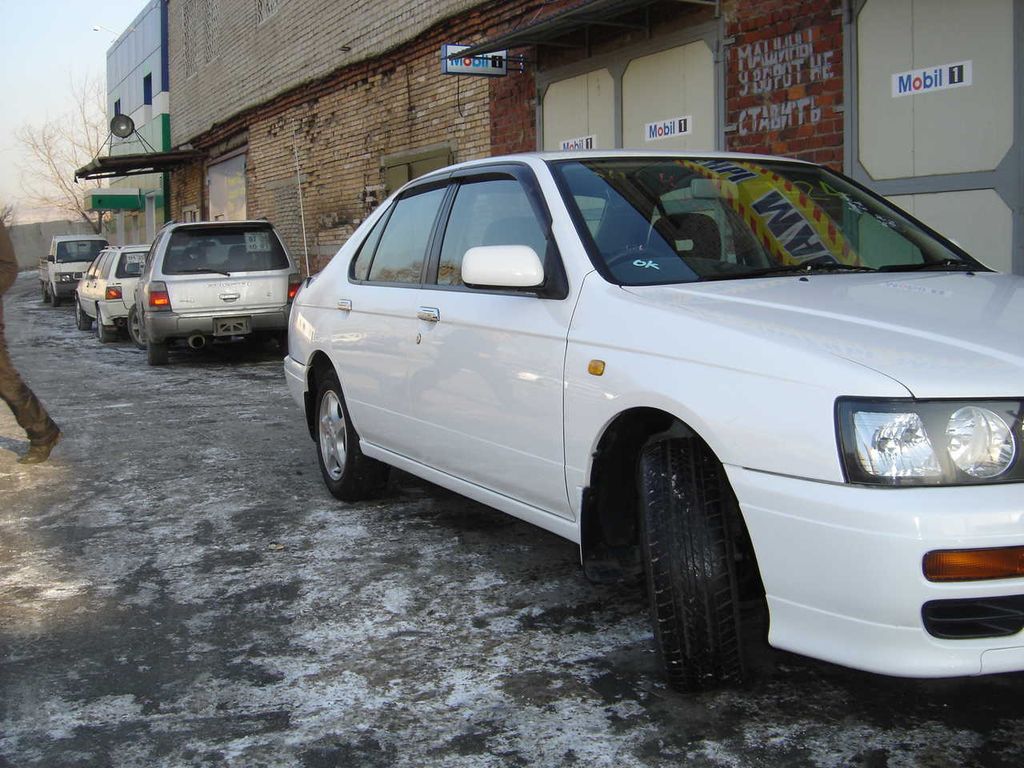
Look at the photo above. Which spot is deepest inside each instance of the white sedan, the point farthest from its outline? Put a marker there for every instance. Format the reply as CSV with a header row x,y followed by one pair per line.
x,y
106,292
747,380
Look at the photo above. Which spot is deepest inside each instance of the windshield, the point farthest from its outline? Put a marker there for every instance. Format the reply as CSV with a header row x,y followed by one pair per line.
x,y
657,220
225,250
79,250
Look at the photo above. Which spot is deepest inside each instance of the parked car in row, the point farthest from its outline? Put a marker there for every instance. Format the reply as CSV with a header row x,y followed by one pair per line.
x,y
749,380
206,281
62,268
106,292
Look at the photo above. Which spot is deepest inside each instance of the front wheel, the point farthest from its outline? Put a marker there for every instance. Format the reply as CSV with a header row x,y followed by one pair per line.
x,y
135,331
82,321
689,557
54,298
347,473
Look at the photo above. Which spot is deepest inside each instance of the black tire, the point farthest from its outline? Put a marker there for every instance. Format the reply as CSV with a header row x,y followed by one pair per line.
x,y
105,333
43,289
156,352
690,564
54,298
135,330
347,473
82,321
281,337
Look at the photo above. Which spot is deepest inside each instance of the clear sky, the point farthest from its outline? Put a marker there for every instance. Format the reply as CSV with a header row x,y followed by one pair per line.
x,y
43,44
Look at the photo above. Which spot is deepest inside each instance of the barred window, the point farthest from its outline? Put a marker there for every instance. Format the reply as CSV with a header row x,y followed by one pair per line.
x,y
198,22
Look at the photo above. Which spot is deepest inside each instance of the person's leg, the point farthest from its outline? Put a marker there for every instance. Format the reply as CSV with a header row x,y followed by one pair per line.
x,y
27,409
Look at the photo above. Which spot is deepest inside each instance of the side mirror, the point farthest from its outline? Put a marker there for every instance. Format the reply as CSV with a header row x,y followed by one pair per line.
x,y
502,266
51,258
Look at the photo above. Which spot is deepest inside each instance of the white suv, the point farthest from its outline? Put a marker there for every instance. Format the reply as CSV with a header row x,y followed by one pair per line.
x,y
214,280
106,292
749,380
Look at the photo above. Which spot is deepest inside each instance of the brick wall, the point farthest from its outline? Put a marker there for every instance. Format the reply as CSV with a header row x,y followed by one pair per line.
x,y
226,56
784,78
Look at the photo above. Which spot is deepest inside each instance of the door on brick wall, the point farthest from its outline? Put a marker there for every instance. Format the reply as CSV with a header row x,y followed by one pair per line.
x,y
579,112
937,126
668,100
225,184
661,95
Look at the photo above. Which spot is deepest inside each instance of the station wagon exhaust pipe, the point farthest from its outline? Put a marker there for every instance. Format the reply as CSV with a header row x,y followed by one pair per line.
x,y
196,341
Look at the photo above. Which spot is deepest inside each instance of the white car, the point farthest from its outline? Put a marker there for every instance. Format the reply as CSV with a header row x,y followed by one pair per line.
x,y
62,268
106,292
747,378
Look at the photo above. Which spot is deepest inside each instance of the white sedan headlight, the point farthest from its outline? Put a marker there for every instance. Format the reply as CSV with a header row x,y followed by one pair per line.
x,y
930,442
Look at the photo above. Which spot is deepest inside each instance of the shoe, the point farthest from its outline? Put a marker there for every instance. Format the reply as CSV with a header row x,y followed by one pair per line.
x,y
39,451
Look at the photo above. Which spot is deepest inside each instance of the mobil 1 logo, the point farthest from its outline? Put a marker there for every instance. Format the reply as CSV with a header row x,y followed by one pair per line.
x,y
941,78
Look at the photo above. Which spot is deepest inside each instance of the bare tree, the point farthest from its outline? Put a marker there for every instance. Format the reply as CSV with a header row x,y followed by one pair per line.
x,y
7,212
56,147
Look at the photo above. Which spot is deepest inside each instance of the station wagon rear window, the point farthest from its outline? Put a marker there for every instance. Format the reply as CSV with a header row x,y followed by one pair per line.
x,y
130,264
225,250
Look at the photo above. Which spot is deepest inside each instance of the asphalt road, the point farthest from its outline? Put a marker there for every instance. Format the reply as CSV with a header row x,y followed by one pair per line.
x,y
177,588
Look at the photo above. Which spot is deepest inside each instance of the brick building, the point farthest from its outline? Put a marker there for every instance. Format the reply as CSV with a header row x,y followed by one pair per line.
x,y
346,101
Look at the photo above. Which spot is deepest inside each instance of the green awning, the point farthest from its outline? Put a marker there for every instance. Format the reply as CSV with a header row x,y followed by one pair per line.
x,y
114,199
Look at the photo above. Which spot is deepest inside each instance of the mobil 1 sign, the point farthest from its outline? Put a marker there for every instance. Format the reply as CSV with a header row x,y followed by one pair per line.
x,y
930,79
666,129
494,64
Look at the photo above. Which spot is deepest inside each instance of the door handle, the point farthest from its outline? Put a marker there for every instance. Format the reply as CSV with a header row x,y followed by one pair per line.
x,y
428,314
345,305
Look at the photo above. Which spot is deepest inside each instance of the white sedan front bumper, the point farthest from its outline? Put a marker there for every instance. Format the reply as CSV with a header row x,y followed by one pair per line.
x,y
842,569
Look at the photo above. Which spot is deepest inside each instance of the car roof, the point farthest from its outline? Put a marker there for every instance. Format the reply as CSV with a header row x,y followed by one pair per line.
x,y
210,224
539,158
66,238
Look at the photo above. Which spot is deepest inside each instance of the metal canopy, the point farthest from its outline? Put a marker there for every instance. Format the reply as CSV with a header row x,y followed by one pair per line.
x,y
138,164
548,31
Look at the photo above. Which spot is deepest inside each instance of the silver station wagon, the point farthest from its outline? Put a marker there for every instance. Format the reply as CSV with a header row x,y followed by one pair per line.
x,y
207,281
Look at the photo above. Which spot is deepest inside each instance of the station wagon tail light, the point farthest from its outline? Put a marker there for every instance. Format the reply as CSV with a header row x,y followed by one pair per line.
x,y
158,298
974,564
293,289
930,442
113,292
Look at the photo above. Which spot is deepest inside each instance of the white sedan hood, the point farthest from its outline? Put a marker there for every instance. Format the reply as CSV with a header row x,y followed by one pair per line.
x,y
938,334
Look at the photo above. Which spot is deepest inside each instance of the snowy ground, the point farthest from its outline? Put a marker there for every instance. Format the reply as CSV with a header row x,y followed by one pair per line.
x,y
176,588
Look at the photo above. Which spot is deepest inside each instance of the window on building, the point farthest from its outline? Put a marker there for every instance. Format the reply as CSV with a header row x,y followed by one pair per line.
x,y
401,167
147,89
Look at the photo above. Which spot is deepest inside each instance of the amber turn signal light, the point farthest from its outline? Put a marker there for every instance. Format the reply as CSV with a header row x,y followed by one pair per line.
x,y
596,368
974,564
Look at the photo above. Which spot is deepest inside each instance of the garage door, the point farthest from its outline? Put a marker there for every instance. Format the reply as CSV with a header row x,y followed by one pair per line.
x,y
936,120
660,96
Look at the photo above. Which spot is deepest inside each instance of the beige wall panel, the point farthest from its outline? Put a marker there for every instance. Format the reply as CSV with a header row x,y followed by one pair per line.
x,y
952,131
885,124
675,83
580,106
978,220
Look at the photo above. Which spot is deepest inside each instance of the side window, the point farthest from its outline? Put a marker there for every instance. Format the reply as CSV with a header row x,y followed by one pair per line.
x,y
493,212
361,264
403,246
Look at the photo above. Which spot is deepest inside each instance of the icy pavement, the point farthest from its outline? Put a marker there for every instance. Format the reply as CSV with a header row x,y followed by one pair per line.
x,y
176,588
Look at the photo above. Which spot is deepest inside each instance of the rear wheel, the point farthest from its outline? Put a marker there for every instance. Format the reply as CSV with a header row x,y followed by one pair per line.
x,y
105,333
44,291
54,298
82,321
690,563
135,331
347,473
156,352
